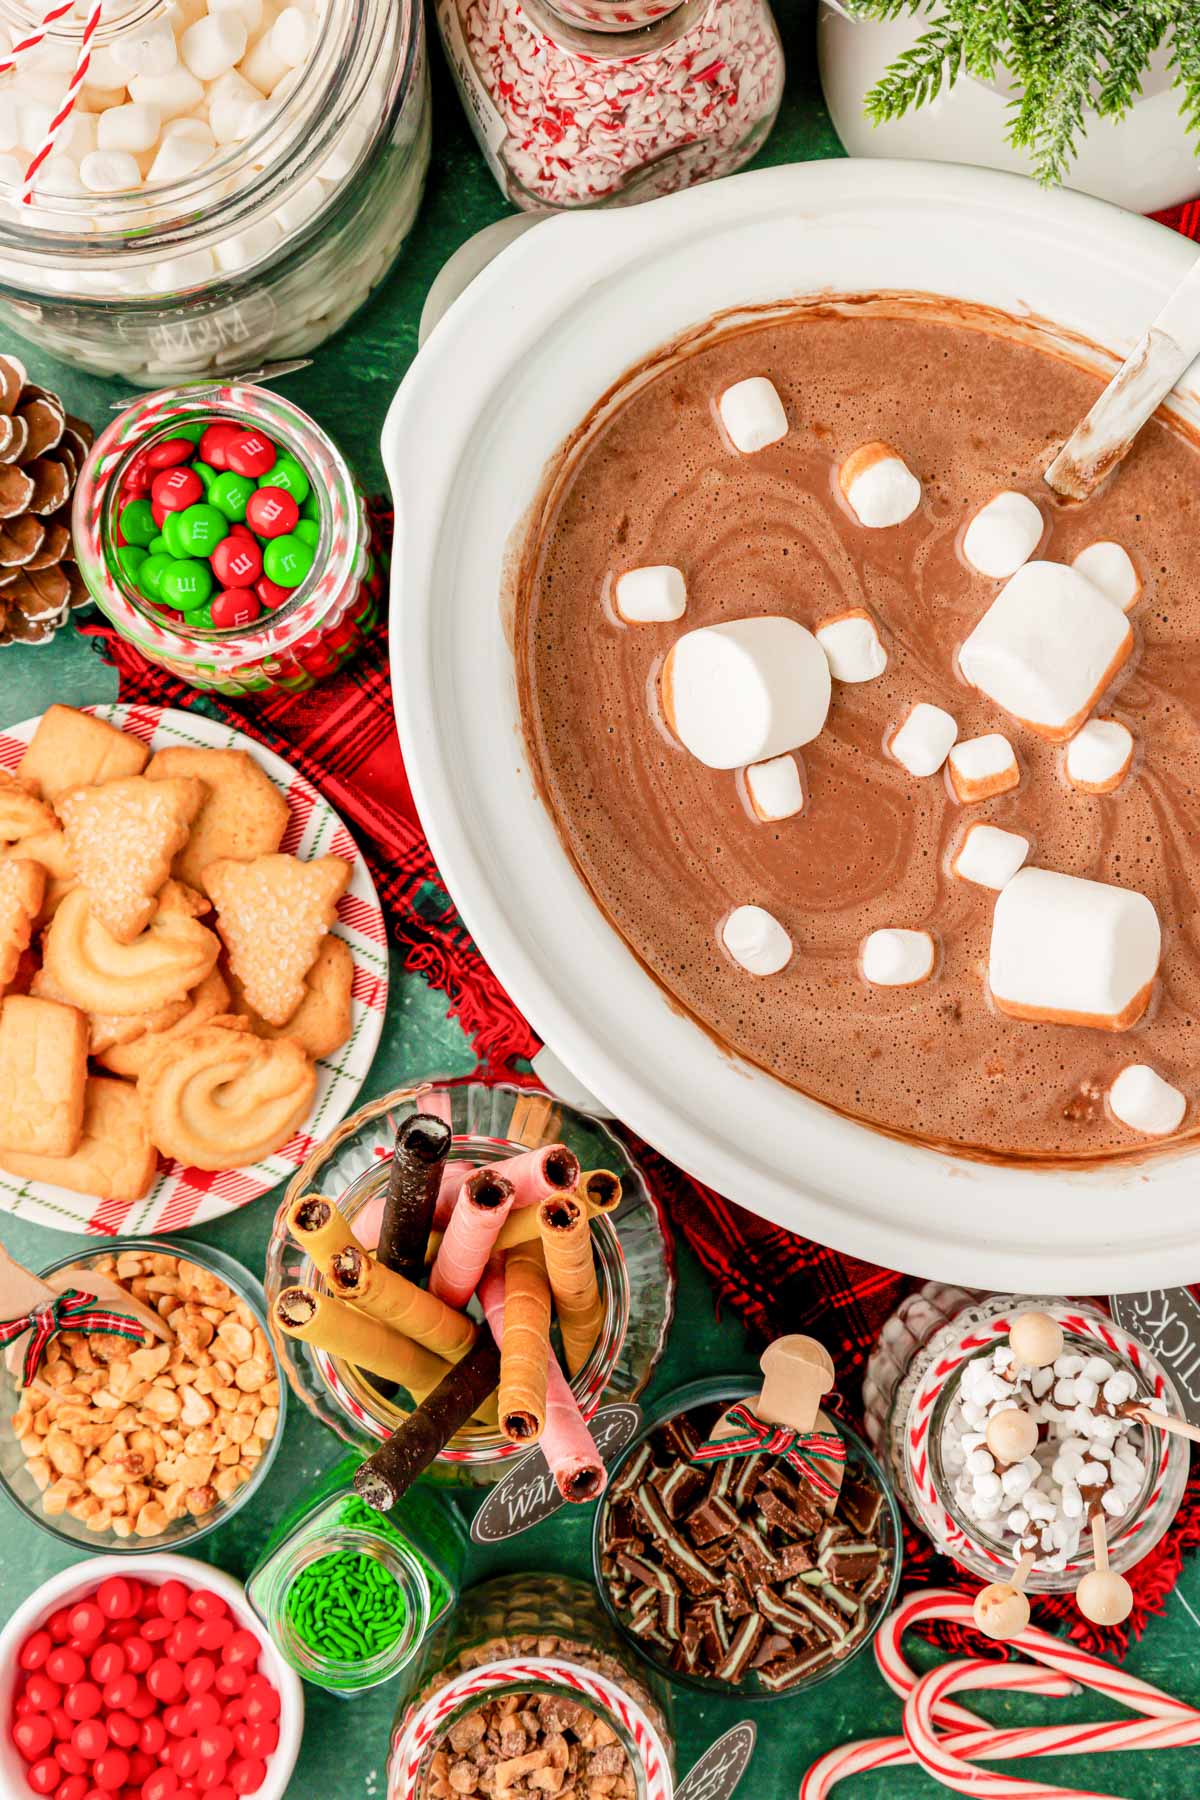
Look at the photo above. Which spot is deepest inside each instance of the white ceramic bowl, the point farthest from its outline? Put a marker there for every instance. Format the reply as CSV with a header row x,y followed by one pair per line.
x,y
85,1578
511,369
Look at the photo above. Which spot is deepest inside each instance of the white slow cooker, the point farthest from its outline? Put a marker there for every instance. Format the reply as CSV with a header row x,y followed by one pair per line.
x,y
511,369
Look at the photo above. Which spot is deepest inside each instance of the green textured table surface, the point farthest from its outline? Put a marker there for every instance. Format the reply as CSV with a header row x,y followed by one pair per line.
x,y
345,1747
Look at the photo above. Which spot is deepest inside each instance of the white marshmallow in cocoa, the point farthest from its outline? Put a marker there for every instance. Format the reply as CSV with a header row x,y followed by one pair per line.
x,y
982,767
1109,567
1142,1100
924,740
756,940
1097,758
652,595
774,789
752,414
989,856
1047,648
1073,952
897,957
745,691
853,645
1003,535
878,486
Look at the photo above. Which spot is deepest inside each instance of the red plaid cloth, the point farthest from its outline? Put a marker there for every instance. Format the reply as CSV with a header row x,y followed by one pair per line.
x,y
341,735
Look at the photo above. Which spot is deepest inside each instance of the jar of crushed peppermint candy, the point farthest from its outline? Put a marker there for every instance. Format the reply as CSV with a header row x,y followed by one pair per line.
x,y
583,102
223,533
944,1366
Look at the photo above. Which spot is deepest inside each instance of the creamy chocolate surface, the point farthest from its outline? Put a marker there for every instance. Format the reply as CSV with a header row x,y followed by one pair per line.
x,y
669,847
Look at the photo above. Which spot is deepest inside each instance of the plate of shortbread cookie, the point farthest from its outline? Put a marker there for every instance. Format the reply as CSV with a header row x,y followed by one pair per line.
x,y
193,969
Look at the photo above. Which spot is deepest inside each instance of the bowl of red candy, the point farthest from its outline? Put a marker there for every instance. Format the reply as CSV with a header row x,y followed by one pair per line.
x,y
147,1680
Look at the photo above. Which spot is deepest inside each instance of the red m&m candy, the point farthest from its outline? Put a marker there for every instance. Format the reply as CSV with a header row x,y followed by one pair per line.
x,y
251,453
271,512
237,562
215,442
168,452
174,489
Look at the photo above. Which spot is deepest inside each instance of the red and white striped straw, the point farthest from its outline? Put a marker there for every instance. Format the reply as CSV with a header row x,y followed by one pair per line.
x,y
68,101
36,37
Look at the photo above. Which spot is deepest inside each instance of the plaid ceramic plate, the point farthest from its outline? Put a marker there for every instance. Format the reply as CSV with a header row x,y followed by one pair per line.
x,y
182,1197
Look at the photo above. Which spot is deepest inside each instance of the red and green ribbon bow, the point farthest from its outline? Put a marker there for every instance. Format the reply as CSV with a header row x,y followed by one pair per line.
x,y
809,1453
69,1311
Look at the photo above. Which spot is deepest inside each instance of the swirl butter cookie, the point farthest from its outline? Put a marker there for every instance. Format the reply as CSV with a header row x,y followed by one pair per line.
x,y
49,848
21,812
273,914
221,1098
84,961
122,838
133,1055
22,885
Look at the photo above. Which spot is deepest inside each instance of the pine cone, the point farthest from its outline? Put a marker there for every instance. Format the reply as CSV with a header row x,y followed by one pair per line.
x,y
42,451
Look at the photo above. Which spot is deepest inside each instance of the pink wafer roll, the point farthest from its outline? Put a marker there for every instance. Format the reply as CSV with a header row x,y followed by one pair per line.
x,y
453,1176
566,1443
536,1174
483,1205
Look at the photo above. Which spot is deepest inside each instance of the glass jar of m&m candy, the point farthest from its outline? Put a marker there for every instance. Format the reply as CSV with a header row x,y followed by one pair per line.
x,y
223,533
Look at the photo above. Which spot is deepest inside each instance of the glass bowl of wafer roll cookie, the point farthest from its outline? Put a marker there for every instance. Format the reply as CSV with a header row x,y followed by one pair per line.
x,y
382,1252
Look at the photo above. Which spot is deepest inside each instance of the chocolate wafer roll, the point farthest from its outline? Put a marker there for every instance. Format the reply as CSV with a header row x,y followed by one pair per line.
x,y
386,1295
422,1145
391,1470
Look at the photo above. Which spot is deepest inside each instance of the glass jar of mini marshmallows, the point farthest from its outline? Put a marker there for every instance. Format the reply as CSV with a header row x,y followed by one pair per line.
x,y
232,182
588,102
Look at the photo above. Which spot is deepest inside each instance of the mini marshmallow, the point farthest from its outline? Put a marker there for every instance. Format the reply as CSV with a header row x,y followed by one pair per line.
x,y
1098,757
924,740
853,646
109,171
178,156
745,691
752,413
982,767
651,595
148,50
1003,535
174,93
774,789
756,940
1145,1102
246,247
894,957
989,856
213,45
1046,648
131,127
1073,952
879,487
291,36
1109,567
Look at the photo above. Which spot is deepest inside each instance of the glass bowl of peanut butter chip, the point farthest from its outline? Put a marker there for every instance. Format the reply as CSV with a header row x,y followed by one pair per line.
x,y
154,1410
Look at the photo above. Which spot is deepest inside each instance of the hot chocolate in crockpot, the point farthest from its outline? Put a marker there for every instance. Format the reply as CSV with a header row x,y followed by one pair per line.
x,y
916,827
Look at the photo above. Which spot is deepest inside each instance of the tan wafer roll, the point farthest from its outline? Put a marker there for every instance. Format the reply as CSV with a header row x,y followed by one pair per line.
x,y
524,1345
601,1189
331,1325
320,1229
566,1235
398,1302
521,1227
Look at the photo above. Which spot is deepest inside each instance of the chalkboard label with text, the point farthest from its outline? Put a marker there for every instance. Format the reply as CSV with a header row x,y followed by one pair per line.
x,y
1167,1321
529,1493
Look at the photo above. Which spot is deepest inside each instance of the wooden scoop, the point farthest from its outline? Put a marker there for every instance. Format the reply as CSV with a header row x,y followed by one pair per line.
x,y
1157,361
798,1372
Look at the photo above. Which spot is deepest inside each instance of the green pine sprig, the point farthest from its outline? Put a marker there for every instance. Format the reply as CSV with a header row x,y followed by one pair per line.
x,y
1066,59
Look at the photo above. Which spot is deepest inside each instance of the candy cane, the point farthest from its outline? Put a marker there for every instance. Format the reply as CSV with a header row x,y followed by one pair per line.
x,y
1166,1722
68,103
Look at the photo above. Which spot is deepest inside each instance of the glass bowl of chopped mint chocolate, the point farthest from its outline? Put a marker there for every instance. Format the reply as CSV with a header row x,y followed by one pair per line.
x,y
738,1575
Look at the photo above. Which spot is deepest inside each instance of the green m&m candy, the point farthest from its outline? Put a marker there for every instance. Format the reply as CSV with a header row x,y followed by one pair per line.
x,y
157,546
207,475
308,531
193,432
137,523
201,619
150,574
287,560
310,508
201,528
131,557
170,533
287,474
185,584
230,494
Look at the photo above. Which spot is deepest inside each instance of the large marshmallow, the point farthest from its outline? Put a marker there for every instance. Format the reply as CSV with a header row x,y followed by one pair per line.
x,y
1141,1099
982,767
878,486
742,692
653,595
1046,648
853,646
894,957
1097,759
1073,952
1003,535
989,856
752,413
774,789
1109,567
924,740
756,940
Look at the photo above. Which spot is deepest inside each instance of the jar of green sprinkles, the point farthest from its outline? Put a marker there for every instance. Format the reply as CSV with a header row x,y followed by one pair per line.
x,y
349,1595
